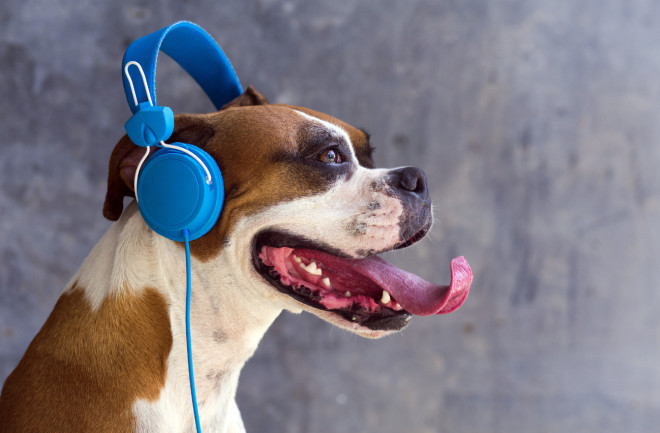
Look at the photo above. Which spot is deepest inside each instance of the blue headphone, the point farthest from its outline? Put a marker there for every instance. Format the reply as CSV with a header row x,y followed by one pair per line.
x,y
180,187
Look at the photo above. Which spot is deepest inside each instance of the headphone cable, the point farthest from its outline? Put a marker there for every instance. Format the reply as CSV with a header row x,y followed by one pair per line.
x,y
186,237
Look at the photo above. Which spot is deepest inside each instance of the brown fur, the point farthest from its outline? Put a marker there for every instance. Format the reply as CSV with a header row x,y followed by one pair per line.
x,y
242,153
99,362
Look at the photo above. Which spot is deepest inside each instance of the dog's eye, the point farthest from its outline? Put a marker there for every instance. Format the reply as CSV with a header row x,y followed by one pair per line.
x,y
330,156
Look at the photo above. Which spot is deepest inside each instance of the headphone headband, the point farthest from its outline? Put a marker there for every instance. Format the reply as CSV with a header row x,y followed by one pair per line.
x,y
192,48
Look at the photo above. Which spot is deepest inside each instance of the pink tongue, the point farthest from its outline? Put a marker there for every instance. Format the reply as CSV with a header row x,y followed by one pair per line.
x,y
415,295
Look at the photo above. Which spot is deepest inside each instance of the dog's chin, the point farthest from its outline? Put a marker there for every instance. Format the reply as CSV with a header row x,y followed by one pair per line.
x,y
328,283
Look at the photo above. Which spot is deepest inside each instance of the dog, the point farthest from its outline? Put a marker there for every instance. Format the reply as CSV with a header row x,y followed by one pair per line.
x,y
305,215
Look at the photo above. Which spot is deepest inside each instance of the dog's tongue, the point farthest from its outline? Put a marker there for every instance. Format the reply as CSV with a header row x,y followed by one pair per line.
x,y
414,294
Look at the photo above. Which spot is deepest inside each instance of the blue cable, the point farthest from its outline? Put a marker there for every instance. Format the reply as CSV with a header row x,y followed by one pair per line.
x,y
186,238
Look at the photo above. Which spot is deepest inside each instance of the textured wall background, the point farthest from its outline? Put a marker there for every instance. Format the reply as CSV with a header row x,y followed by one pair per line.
x,y
538,123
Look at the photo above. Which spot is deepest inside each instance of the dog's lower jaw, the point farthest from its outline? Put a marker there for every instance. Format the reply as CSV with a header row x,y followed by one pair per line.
x,y
227,323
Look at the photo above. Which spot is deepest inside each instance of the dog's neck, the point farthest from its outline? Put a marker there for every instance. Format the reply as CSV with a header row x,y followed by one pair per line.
x,y
227,323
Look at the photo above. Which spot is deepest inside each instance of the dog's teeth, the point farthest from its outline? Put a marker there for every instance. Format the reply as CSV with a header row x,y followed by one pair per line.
x,y
297,259
312,268
385,298
347,294
326,282
398,306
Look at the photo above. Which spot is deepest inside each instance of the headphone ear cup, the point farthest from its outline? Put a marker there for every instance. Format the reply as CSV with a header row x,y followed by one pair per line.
x,y
173,193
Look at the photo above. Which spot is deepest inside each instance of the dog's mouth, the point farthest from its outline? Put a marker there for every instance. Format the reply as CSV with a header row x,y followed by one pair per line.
x,y
370,291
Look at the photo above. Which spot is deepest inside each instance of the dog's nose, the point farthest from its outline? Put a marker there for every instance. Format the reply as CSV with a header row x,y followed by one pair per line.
x,y
411,180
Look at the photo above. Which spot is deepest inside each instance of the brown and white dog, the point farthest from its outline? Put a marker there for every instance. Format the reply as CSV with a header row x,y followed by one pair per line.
x,y
304,216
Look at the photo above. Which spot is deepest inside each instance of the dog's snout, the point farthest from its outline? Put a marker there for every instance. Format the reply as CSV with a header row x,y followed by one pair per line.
x,y
411,180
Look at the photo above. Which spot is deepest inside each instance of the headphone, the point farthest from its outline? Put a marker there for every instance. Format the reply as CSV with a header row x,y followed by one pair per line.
x,y
180,188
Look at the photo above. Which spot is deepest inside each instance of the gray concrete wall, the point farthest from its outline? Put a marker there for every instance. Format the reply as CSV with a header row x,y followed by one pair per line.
x,y
538,123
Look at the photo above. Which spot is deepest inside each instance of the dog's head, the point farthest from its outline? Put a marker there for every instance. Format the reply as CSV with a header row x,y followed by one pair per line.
x,y
306,213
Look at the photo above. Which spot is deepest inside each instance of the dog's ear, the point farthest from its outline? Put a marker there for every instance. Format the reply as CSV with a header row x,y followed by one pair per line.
x,y
249,97
192,129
